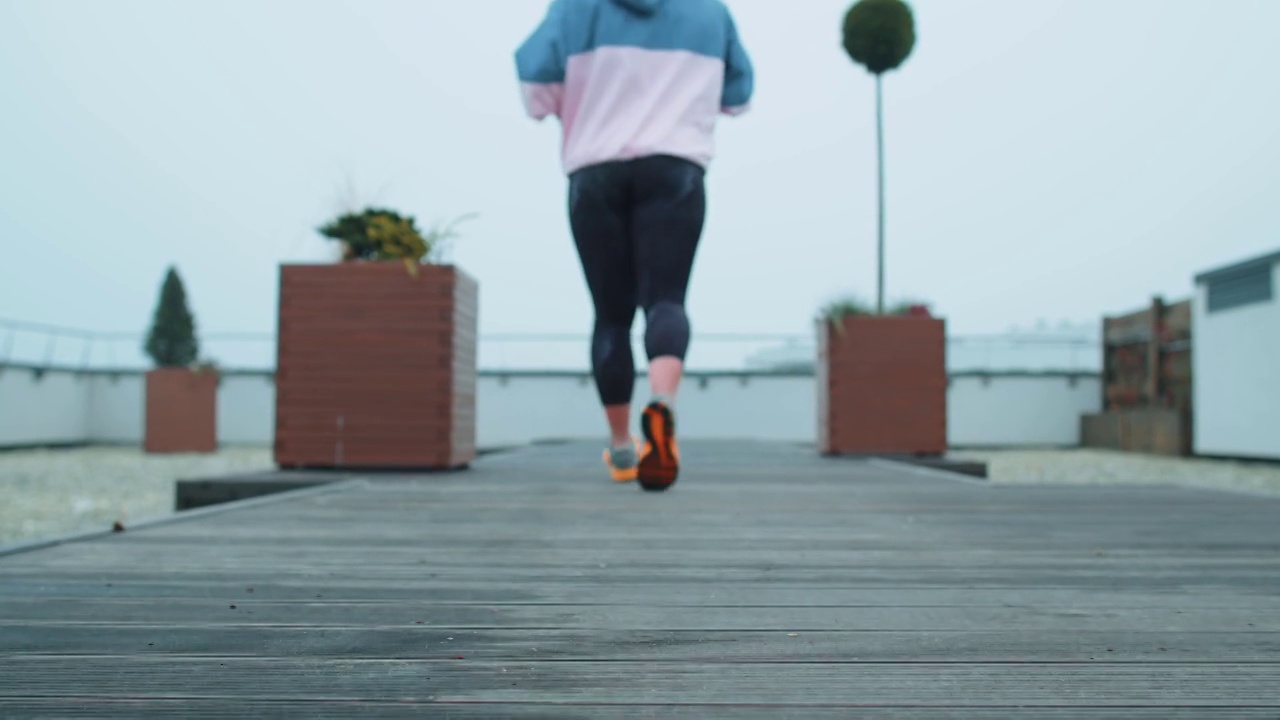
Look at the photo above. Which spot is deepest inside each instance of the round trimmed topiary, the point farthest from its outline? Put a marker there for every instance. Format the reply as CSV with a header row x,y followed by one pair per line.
x,y
879,34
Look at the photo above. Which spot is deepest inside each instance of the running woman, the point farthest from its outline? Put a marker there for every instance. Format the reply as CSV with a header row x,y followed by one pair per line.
x,y
637,86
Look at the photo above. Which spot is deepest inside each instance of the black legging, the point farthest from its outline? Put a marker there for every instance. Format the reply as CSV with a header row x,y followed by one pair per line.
x,y
636,224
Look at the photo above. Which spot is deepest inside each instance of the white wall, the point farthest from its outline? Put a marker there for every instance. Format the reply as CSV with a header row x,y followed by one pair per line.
x,y
1235,361
117,408
50,409
246,410
1012,410
522,409
1003,410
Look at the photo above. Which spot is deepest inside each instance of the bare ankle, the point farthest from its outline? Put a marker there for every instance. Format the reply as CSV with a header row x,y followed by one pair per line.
x,y
619,417
664,376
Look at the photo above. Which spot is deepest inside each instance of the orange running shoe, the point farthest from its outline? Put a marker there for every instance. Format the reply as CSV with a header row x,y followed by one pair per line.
x,y
660,458
622,462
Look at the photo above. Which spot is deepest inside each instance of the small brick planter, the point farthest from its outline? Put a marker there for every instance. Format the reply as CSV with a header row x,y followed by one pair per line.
x,y
181,411
882,386
376,368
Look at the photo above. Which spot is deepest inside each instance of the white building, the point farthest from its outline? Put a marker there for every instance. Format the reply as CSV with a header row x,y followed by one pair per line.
x,y
1236,360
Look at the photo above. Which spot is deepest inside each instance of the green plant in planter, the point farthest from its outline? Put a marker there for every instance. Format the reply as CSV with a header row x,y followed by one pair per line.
x,y
172,340
207,366
841,308
380,234
879,35
837,310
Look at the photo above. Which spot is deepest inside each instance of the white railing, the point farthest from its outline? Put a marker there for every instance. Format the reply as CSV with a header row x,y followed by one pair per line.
x,y
52,346
66,385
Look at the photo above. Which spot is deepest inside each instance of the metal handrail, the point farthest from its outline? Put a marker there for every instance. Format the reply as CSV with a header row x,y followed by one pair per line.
x,y
266,336
55,337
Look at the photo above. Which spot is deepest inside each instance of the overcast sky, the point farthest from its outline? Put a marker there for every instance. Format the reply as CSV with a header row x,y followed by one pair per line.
x,y
1054,159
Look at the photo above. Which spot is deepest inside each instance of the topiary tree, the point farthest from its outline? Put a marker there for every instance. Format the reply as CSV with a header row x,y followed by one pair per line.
x,y
172,340
879,35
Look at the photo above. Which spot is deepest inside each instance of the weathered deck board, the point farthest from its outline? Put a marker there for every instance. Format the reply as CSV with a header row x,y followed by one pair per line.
x,y
326,614
797,683
769,584
704,646
203,708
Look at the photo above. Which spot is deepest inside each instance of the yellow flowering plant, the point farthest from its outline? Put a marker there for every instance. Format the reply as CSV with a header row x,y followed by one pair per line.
x,y
381,234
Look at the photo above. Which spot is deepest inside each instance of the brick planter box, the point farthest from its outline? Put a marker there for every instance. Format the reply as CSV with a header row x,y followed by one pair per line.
x,y
181,411
376,368
882,386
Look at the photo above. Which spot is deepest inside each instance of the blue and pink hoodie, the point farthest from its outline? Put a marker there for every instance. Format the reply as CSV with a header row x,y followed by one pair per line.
x,y
631,78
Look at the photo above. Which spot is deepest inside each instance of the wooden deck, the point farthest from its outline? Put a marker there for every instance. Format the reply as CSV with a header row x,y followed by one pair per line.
x,y
768,584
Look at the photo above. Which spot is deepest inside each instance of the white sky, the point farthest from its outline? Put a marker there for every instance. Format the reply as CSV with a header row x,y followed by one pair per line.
x,y
1054,159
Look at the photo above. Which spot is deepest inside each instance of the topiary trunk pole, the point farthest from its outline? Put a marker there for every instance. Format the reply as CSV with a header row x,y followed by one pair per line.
x,y
879,35
880,184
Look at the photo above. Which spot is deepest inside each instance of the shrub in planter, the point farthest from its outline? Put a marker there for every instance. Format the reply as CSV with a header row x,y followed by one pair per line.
x,y
882,381
376,355
181,396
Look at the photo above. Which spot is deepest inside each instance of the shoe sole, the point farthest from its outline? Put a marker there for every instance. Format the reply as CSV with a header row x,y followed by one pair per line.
x,y
659,468
622,476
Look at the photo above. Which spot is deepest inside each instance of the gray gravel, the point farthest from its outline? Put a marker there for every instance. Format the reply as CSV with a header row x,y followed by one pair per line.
x,y
48,493
1105,467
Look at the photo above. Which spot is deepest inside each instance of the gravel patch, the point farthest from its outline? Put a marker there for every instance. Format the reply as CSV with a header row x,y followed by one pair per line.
x,y
49,493
1108,467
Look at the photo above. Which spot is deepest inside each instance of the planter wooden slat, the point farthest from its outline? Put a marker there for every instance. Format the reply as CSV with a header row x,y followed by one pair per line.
x,y
380,401
356,286
376,368
384,404
181,411
361,326
357,282
391,369
882,386
437,313
378,424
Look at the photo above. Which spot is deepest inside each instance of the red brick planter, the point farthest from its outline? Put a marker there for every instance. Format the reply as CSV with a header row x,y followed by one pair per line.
x,y
182,411
376,368
882,386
